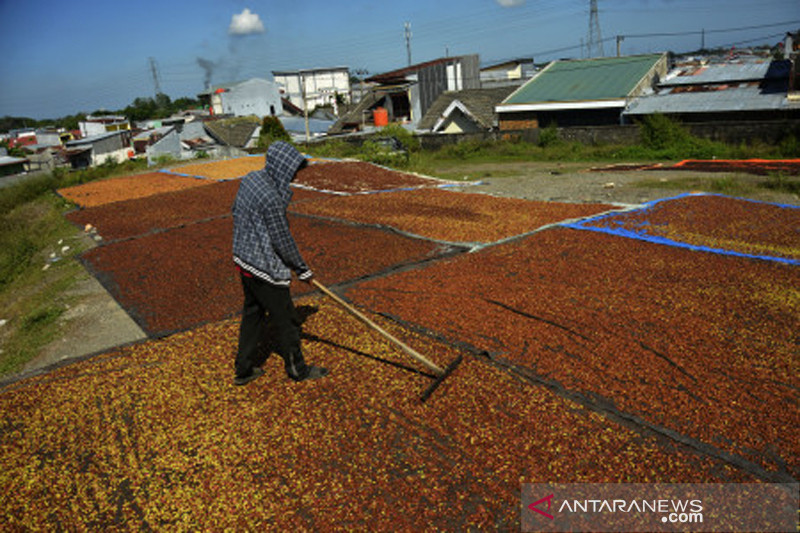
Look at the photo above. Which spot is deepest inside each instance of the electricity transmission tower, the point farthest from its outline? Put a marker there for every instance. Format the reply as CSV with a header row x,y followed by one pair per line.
x,y
595,42
154,71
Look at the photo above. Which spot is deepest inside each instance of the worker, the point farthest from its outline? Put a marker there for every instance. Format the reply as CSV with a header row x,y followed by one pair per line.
x,y
266,255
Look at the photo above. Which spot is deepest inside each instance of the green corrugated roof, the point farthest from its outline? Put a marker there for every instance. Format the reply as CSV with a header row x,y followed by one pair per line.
x,y
581,80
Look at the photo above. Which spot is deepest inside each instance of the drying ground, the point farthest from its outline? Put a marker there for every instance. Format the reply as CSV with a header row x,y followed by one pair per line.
x,y
588,357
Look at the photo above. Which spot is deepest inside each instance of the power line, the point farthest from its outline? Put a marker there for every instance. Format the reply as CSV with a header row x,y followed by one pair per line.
x,y
701,31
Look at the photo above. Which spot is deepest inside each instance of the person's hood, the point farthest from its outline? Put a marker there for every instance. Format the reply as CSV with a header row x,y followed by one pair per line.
x,y
281,163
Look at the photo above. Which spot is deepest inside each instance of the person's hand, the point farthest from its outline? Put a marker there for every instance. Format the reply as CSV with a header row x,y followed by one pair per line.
x,y
306,276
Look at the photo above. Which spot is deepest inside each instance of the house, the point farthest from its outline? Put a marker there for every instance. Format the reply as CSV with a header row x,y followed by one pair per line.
x,y
467,111
11,165
97,149
360,117
238,132
743,89
148,137
195,140
512,72
44,158
318,87
99,125
49,137
167,145
22,137
588,92
255,96
407,93
159,142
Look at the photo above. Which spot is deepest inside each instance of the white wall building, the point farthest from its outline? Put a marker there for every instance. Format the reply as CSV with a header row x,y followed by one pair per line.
x,y
99,125
97,149
320,86
255,96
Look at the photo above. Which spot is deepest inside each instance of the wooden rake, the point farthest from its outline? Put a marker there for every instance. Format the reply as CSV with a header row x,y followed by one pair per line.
x,y
440,373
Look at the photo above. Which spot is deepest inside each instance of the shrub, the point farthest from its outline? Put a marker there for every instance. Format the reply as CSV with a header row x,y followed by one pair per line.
x,y
549,136
463,149
660,133
665,138
335,148
272,130
789,147
406,138
380,153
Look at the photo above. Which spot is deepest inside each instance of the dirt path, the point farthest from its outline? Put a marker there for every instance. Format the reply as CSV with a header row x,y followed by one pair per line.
x,y
97,323
575,182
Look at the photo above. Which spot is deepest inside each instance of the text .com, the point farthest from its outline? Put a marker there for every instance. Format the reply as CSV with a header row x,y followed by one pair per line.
x,y
683,518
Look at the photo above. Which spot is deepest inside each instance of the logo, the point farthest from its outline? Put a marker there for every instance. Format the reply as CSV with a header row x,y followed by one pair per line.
x,y
549,500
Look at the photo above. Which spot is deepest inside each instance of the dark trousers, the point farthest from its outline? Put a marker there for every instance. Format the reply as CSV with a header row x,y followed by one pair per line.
x,y
257,336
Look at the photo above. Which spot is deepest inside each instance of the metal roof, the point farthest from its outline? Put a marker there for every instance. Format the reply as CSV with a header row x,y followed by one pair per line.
x,y
745,97
95,138
728,72
724,87
585,80
400,75
9,160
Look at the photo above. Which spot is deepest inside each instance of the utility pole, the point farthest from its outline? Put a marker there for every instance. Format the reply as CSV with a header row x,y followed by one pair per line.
x,y
595,39
620,38
408,41
154,71
305,104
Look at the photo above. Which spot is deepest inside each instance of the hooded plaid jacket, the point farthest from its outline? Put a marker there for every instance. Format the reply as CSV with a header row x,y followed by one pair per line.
x,y
262,243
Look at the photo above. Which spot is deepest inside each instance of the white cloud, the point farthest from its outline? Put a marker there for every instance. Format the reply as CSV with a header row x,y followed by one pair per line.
x,y
246,23
510,3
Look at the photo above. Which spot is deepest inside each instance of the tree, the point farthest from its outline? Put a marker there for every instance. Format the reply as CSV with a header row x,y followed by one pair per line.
x,y
272,130
13,152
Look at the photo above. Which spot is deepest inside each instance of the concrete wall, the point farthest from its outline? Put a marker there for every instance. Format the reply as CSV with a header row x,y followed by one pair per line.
x,y
770,132
253,97
114,147
168,145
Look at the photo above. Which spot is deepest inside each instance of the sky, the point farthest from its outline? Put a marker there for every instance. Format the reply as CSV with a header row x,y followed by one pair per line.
x,y
60,58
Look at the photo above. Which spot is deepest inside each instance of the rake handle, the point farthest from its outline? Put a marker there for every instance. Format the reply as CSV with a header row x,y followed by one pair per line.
x,y
388,336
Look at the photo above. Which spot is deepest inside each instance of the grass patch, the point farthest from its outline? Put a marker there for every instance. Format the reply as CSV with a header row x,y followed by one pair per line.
x,y
731,185
34,298
475,175
783,183
34,187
